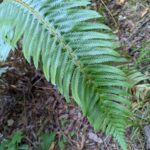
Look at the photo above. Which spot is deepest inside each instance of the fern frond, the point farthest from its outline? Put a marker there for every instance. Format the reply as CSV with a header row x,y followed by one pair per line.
x,y
134,76
4,50
139,82
76,54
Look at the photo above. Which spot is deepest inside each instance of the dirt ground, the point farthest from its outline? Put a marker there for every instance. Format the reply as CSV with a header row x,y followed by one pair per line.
x,y
30,103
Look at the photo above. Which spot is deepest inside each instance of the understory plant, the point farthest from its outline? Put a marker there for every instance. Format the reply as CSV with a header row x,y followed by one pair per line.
x,y
143,60
77,55
13,142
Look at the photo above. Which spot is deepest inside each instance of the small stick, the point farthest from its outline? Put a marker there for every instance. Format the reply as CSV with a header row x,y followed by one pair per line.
x,y
110,13
147,136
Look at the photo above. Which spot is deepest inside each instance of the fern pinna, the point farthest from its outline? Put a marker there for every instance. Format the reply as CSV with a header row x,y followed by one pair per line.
x,y
77,56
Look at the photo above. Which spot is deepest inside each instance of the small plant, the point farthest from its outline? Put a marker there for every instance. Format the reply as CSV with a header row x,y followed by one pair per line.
x,y
46,140
62,143
143,60
13,143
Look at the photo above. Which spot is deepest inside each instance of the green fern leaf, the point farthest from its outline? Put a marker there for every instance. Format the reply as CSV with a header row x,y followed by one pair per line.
x,y
77,56
4,49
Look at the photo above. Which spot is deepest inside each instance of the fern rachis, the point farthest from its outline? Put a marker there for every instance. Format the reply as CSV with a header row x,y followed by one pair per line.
x,y
74,54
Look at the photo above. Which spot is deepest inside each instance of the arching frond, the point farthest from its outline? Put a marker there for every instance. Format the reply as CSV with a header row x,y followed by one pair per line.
x,y
77,56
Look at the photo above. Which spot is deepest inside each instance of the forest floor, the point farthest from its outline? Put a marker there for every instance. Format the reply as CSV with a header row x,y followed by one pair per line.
x,y
31,104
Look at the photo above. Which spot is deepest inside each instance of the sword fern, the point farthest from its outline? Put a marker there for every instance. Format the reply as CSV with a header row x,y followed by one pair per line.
x,y
77,55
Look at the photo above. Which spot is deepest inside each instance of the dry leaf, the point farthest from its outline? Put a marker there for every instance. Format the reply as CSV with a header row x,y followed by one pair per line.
x,y
120,2
52,147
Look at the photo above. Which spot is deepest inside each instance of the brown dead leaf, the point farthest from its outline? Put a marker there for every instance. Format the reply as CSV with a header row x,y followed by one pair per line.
x,y
94,137
52,147
144,12
120,2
